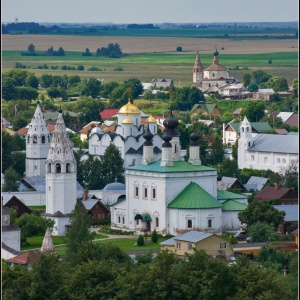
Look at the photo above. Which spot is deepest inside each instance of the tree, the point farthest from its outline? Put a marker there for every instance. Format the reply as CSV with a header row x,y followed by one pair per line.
x,y
89,109
31,81
31,48
289,175
60,52
135,86
107,88
253,87
46,80
91,87
32,225
53,92
179,49
19,76
154,236
27,93
79,237
278,84
247,79
11,180
295,87
80,68
112,165
229,167
9,90
254,111
217,153
258,211
261,232
140,241
19,123
18,160
74,80
260,76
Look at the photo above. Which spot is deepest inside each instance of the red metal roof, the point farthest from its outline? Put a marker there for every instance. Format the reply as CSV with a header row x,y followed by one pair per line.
x,y
24,130
24,258
108,113
295,232
281,131
293,120
270,192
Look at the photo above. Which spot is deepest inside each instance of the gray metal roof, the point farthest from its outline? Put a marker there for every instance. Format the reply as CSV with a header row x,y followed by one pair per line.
x,y
291,212
89,204
275,143
115,186
191,236
256,183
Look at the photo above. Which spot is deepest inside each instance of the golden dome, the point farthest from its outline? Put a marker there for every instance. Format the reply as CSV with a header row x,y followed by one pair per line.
x,y
129,108
127,120
151,119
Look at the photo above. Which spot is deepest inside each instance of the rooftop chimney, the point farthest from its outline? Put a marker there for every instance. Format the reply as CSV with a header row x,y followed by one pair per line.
x,y
85,194
233,175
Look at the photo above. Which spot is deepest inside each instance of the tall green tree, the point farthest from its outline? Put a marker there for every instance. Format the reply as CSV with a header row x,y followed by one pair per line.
x,y
254,111
260,76
31,81
79,237
278,84
27,93
91,87
112,165
11,180
217,153
31,48
258,211
9,90
247,79
261,232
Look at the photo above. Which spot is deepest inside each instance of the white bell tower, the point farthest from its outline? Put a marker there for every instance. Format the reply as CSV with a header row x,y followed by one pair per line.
x,y
61,178
37,145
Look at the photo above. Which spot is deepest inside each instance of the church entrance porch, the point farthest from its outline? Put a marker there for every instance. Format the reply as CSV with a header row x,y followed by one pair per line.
x,y
143,223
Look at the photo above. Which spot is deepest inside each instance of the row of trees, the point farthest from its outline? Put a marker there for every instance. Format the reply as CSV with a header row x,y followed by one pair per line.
x,y
114,275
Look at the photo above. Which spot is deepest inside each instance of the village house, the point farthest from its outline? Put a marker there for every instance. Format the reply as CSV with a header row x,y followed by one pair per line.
x,y
231,183
162,82
263,94
207,109
12,202
291,216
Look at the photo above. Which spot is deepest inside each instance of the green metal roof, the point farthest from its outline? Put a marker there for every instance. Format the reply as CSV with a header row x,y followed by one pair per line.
x,y
209,107
226,195
232,205
178,166
258,126
194,196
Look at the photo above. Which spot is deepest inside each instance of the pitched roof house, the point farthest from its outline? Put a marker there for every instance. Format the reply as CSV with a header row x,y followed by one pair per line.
x,y
15,203
291,215
231,183
207,109
283,194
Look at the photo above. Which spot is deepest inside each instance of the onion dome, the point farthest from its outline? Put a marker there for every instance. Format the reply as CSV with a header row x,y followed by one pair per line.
x,y
194,138
167,138
148,137
97,129
216,53
129,108
151,119
171,123
127,120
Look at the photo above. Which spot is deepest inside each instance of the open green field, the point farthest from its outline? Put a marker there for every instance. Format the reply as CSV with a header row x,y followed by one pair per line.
x,y
146,66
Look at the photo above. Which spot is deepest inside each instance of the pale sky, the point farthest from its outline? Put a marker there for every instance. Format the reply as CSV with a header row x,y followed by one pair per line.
x,y
150,11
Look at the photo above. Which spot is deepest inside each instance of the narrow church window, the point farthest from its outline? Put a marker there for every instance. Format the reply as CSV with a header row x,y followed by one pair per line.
x,y
49,168
153,193
119,219
278,160
252,157
247,129
43,139
68,166
265,160
175,149
209,223
145,193
35,139
243,129
156,222
28,139
283,161
58,168
136,191
190,224
249,144
137,221
123,220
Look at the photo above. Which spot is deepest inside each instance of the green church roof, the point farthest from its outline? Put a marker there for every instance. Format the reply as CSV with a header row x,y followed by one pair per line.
x,y
194,196
226,195
232,205
178,166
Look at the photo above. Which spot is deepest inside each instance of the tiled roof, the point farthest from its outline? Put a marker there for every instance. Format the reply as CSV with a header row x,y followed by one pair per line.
x,y
24,258
291,212
226,195
232,205
295,232
178,166
270,192
194,197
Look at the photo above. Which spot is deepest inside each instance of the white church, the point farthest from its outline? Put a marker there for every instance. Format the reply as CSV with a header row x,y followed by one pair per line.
x,y
171,195
266,151
128,137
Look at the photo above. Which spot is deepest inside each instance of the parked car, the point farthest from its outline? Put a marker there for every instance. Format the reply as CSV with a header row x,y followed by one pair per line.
x,y
241,235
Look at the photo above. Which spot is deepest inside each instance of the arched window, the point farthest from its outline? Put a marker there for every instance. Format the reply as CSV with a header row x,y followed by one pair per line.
x,y
265,160
49,168
283,161
252,157
209,223
119,219
243,129
28,139
123,220
213,74
190,224
68,168
43,139
34,139
156,222
58,168
278,160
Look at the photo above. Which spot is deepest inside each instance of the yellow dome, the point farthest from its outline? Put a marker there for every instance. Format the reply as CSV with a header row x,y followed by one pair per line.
x,y
151,119
127,120
129,108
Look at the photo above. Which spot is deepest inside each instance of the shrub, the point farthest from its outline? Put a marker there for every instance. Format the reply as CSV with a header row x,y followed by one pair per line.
x,y
119,69
80,68
179,49
154,236
140,241
94,69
